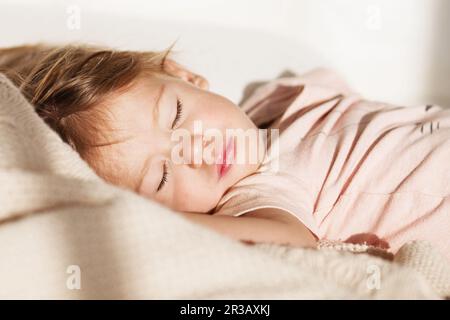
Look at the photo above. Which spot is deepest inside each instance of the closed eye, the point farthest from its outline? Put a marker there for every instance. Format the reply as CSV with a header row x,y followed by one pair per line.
x,y
174,124
164,177
178,115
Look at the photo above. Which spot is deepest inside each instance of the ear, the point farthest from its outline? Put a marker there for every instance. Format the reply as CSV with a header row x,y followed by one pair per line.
x,y
178,71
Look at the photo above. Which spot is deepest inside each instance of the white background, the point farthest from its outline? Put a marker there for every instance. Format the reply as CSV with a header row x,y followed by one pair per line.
x,y
392,50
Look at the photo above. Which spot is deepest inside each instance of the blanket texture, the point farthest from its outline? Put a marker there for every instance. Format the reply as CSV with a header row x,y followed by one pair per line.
x,y
67,234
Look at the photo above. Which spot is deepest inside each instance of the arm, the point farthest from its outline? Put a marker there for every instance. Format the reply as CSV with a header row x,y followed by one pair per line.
x,y
266,225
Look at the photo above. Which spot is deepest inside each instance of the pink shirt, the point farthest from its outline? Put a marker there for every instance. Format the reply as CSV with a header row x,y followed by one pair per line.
x,y
348,168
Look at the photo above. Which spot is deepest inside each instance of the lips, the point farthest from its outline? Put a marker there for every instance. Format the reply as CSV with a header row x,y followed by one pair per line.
x,y
224,160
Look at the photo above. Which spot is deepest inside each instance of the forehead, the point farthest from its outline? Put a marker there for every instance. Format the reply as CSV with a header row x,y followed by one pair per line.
x,y
141,88
127,135
127,110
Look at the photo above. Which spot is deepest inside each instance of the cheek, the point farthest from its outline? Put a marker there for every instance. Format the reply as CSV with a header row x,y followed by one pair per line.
x,y
194,193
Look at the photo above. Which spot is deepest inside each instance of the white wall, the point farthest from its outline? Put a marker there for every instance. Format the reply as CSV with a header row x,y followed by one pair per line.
x,y
396,51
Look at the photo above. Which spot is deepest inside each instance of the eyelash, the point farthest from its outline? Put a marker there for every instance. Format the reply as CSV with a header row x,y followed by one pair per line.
x,y
164,177
179,113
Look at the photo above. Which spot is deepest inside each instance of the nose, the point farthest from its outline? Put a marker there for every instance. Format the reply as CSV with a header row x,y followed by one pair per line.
x,y
193,155
198,151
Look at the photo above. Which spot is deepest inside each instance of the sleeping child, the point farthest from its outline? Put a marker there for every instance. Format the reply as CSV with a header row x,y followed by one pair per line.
x,y
304,158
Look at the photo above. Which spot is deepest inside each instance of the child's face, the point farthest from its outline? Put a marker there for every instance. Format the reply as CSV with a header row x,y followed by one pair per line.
x,y
142,118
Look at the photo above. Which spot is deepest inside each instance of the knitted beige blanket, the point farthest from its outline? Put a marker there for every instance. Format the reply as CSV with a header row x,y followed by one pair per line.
x,y
66,234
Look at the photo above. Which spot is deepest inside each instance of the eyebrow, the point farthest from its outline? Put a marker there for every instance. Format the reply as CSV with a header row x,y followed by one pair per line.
x,y
146,165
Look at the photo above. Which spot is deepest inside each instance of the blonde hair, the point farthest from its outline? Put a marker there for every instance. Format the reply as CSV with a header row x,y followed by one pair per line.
x,y
66,83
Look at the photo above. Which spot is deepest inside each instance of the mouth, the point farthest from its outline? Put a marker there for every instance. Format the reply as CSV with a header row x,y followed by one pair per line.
x,y
224,161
